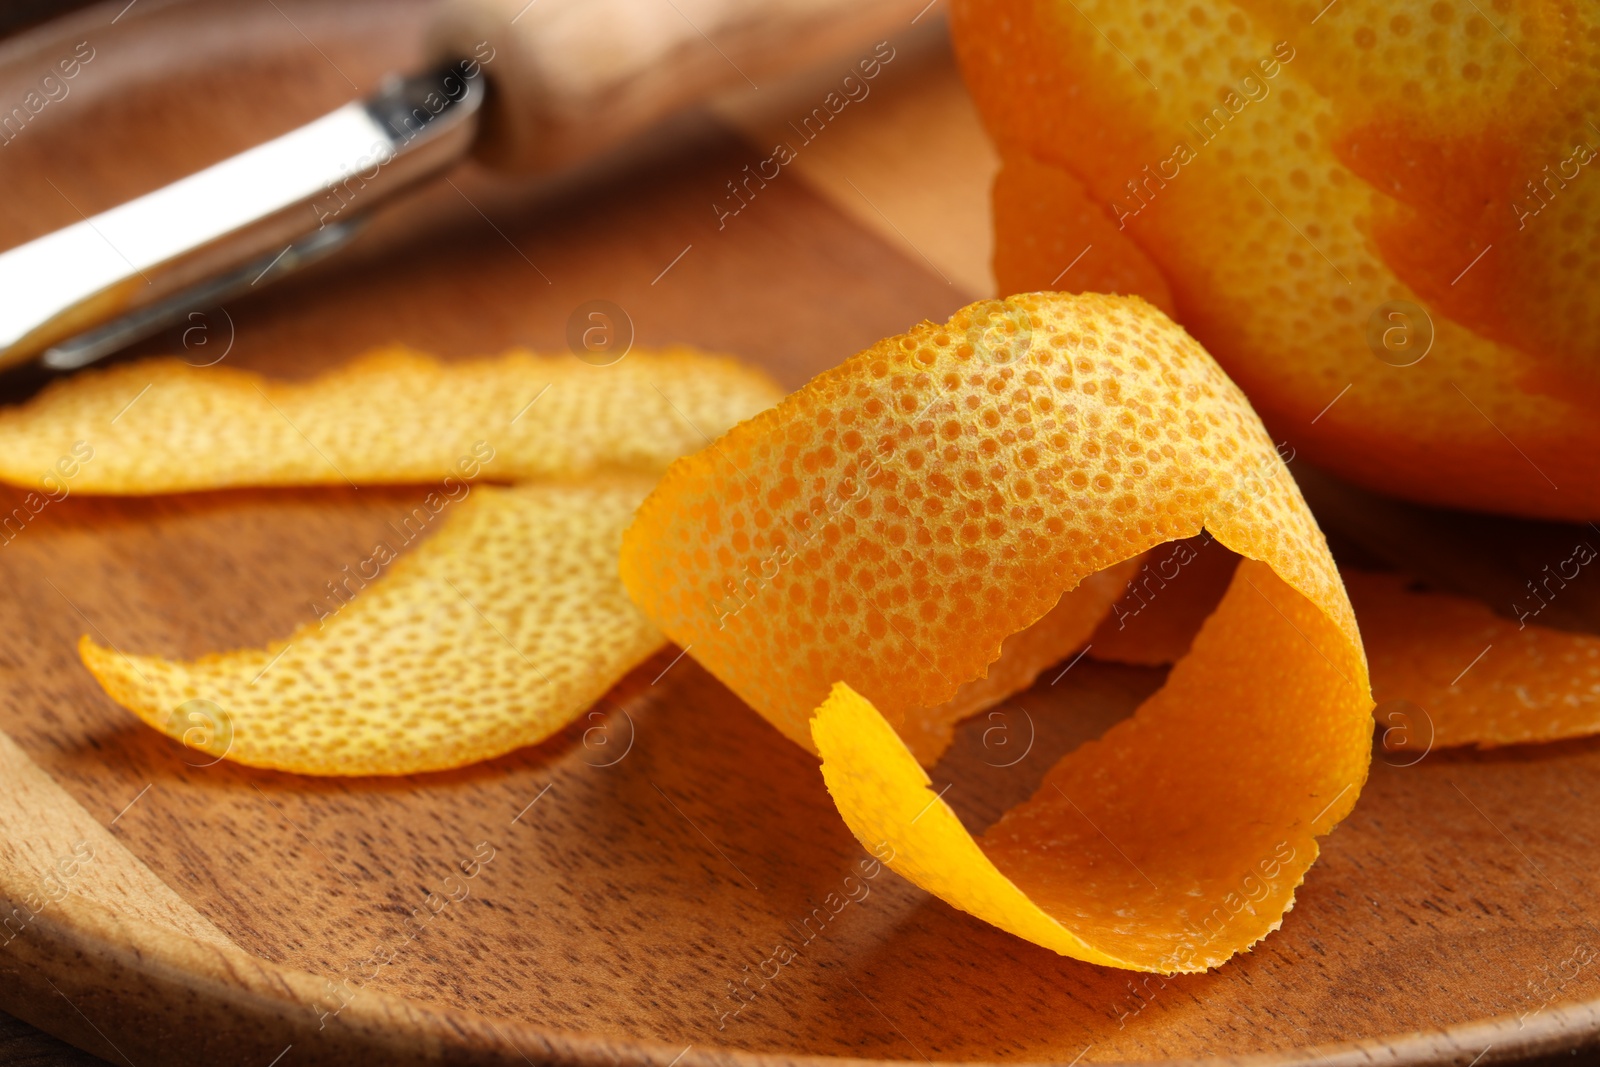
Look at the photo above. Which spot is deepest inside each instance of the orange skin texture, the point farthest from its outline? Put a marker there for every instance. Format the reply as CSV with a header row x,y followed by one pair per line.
x,y
1175,590
893,525
1051,219
1414,151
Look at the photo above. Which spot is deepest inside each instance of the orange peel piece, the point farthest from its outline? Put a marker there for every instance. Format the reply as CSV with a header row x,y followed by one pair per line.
x,y
1391,206
1173,591
892,524
1023,657
492,634
1478,678
391,416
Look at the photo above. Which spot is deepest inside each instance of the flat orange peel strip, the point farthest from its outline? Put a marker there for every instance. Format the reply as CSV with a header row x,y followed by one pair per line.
x,y
493,634
894,522
1477,677
392,416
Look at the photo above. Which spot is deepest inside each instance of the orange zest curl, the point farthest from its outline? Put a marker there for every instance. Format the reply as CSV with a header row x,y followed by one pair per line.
x,y
851,561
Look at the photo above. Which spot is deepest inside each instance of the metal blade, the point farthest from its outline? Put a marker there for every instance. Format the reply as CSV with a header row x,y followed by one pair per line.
x,y
98,285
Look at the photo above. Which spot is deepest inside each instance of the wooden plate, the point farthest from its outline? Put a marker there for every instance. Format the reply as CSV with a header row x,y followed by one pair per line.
x,y
632,875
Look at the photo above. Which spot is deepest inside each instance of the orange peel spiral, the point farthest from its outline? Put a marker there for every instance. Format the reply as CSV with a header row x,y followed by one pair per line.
x,y
848,561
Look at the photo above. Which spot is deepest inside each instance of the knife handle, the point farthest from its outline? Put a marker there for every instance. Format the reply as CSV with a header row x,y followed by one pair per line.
x,y
569,78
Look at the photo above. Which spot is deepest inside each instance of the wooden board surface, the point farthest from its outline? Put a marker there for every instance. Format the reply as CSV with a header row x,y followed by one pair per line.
x,y
646,858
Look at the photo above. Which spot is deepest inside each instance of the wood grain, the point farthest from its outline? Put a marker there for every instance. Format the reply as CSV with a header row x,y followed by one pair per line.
x,y
908,161
22,1045
629,898
46,833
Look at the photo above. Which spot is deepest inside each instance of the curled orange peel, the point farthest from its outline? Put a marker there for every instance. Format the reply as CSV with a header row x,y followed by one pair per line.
x,y
392,416
1173,591
1023,657
1475,677
895,522
1389,204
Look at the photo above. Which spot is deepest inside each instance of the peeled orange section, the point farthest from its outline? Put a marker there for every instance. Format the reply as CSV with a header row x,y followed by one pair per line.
x,y
1380,216
873,543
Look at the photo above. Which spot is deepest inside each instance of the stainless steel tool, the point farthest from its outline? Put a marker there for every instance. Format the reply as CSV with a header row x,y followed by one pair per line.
x,y
564,79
